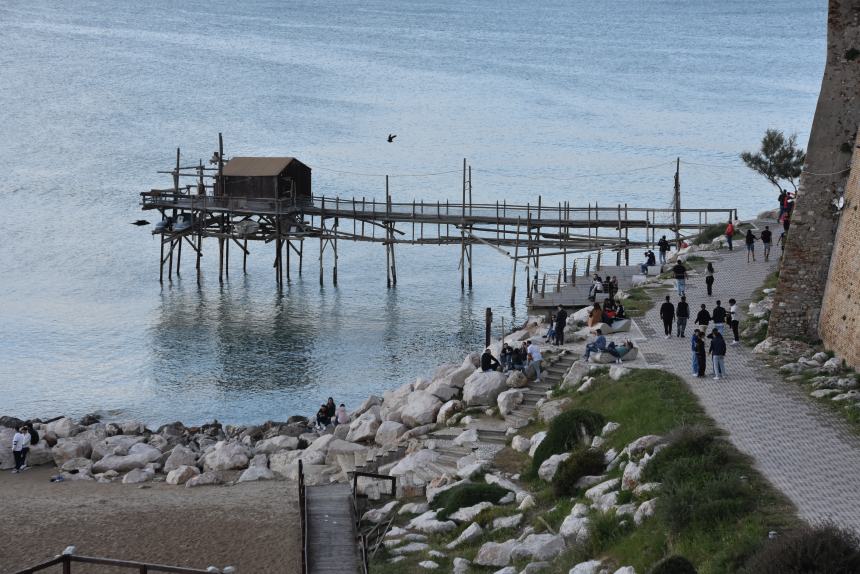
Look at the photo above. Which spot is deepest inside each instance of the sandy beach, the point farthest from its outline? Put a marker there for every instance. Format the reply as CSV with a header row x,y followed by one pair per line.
x,y
252,526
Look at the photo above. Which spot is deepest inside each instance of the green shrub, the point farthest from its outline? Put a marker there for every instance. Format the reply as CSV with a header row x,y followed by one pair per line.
x,y
826,548
582,462
674,565
567,431
464,495
711,232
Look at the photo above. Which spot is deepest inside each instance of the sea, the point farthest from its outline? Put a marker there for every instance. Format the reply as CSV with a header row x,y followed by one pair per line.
x,y
566,100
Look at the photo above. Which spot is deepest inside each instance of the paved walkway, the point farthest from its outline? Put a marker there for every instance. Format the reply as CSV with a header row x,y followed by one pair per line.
x,y
802,448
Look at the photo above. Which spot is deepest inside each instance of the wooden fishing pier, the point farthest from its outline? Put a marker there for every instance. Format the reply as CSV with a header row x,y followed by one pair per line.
x,y
270,200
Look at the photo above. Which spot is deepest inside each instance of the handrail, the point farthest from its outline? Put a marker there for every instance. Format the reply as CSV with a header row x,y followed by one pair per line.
x,y
358,473
143,568
362,539
303,518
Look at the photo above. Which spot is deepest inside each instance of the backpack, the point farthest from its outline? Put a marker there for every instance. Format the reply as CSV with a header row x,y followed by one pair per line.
x,y
34,436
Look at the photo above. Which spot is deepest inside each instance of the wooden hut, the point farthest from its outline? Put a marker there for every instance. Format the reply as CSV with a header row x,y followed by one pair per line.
x,y
267,178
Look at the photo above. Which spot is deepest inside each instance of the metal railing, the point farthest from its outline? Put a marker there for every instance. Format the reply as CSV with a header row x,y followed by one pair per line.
x,y
66,560
303,518
362,538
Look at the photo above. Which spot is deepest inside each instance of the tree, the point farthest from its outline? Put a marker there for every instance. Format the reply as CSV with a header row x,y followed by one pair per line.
x,y
778,160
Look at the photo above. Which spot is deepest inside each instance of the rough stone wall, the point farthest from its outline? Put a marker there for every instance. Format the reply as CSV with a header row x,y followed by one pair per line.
x,y
810,240
840,311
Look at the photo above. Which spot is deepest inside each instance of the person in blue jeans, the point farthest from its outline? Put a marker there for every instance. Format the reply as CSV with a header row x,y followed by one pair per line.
x,y
693,340
718,354
597,346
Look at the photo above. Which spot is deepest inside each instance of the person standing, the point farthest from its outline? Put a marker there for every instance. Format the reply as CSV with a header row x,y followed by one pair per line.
x,y
766,240
701,358
534,359
709,279
719,317
703,318
663,245
18,449
730,233
507,357
695,361
735,320
667,313
518,358
560,323
718,354
682,314
750,241
680,273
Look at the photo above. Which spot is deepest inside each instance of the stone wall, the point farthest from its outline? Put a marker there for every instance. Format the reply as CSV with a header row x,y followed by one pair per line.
x,y
810,241
839,325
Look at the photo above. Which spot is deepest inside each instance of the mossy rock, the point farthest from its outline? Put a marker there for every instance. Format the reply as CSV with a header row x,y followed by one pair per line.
x,y
567,431
465,495
583,461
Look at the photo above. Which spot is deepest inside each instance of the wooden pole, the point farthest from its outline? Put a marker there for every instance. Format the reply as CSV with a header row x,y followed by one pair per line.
x,y
626,235
226,253
245,258
387,245
488,325
334,244
514,274
199,253
470,213
161,261
170,260
678,203
463,233
179,256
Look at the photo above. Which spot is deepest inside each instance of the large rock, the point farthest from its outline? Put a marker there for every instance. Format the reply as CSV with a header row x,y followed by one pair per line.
x,y
521,443
180,456
67,449
118,445
227,455
371,401
507,521
645,511
428,524
421,409
467,437
182,474
389,431
549,467
286,462
394,401
277,443
536,439
457,378
84,465
206,479
539,547
470,513
139,455
448,410
137,476
364,427
642,445
473,532
63,428
496,553
40,453
443,391
590,567
339,447
575,528
551,409
253,473
595,492
516,380
483,388
377,515
509,400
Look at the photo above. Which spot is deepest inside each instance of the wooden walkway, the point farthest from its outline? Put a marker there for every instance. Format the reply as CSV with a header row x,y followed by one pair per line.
x,y
331,530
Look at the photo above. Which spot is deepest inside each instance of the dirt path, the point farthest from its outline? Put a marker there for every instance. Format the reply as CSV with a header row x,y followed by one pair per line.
x,y
252,526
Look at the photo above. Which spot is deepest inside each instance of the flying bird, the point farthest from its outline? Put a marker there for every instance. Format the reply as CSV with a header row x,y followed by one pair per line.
x,y
391,137
140,222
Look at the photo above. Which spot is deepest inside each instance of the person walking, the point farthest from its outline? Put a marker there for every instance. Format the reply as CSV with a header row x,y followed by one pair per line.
x,y
718,316
730,233
695,361
718,354
766,241
735,320
680,273
709,279
560,323
667,313
682,314
701,358
703,318
535,358
750,241
663,245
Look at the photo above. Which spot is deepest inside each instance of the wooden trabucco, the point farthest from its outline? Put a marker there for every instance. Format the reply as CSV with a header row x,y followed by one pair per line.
x,y
525,233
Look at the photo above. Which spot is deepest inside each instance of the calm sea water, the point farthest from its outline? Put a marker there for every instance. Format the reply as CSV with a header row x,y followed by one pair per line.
x,y
570,100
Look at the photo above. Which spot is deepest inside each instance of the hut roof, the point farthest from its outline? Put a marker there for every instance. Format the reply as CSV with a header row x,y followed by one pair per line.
x,y
257,166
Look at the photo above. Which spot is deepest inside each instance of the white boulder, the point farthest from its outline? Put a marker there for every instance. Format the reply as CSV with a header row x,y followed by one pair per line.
x,y
253,473
467,437
495,553
549,467
421,409
180,456
521,443
227,455
473,532
509,400
447,410
182,474
536,439
389,431
277,443
67,449
365,426
483,388
590,567
539,547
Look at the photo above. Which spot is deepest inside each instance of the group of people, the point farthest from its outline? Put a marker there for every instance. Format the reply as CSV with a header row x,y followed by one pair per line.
x,y
750,239
21,441
600,345
608,314
514,358
557,323
609,285
331,415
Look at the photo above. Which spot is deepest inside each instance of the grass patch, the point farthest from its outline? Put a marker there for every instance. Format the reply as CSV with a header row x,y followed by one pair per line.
x,y
583,461
566,431
711,232
639,300
466,495
770,282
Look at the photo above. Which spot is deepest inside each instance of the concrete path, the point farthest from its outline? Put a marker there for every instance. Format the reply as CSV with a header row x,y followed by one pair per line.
x,y
805,451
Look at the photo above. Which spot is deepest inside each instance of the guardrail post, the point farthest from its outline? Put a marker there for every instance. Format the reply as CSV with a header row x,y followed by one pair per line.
x,y
588,266
67,564
597,266
573,273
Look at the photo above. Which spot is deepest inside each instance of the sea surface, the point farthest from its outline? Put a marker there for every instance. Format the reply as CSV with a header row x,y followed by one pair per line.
x,y
575,101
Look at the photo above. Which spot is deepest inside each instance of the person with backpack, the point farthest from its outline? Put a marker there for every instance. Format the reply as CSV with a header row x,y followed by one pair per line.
x,y
667,313
730,233
718,354
682,314
750,241
703,318
766,239
663,245
719,318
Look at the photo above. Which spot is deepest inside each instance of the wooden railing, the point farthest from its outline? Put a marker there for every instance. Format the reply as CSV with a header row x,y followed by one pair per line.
x,y
66,560
303,518
362,539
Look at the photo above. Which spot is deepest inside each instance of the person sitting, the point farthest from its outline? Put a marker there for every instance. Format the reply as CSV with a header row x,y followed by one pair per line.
x,y
341,418
598,345
506,357
596,315
489,362
323,420
619,352
608,315
518,359
596,287
619,311
550,332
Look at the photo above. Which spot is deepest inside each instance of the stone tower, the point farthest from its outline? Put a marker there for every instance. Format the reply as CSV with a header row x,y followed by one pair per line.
x,y
811,238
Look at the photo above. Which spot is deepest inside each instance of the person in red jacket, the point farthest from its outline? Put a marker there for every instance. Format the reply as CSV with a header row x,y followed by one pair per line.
x,y
730,233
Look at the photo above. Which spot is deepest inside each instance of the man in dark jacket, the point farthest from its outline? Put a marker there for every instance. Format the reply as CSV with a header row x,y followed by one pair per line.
x,y
766,240
719,318
701,358
560,322
664,249
682,313
718,354
667,313
489,362
680,274
703,318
